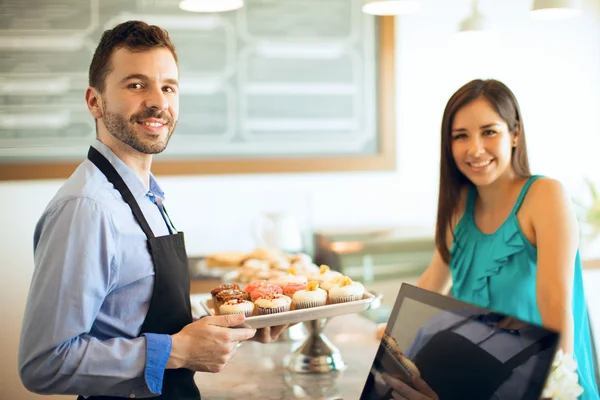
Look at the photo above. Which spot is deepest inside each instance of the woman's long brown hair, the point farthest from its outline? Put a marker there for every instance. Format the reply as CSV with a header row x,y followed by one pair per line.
x,y
452,180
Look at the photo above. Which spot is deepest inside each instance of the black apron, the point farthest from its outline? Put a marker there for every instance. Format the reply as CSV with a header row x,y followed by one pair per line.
x,y
170,308
458,369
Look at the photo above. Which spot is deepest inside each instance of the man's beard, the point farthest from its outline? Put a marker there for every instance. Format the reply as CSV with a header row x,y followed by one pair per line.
x,y
123,130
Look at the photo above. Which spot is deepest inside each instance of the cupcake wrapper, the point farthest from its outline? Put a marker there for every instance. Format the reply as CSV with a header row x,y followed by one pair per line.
x,y
274,310
248,313
343,299
309,304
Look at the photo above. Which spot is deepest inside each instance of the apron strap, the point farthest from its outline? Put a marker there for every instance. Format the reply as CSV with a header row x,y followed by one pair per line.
x,y
542,344
113,177
167,214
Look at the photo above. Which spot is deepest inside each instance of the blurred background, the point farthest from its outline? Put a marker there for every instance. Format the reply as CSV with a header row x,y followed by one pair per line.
x,y
294,91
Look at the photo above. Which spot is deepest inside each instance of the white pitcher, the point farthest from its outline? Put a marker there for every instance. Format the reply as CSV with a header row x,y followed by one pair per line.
x,y
277,231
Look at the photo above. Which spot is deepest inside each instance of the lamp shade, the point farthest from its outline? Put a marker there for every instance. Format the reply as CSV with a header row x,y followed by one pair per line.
x,y
391,7
209,6
554,9
474,22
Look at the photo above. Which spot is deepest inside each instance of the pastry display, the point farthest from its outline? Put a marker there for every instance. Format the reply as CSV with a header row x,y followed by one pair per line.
x,y
268,285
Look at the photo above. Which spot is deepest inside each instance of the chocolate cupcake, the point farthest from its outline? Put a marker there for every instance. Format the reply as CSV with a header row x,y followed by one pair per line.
x,y
232,294
213,293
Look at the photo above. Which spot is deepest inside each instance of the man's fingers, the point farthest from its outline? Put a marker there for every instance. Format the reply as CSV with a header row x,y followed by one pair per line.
x,y
276,331
240,334
225,321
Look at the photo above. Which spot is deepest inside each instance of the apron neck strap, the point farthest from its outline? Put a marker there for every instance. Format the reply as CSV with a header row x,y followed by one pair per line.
x,y
113,177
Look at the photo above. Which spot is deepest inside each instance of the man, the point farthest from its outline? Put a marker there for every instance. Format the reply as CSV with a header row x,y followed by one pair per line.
x,y
108,313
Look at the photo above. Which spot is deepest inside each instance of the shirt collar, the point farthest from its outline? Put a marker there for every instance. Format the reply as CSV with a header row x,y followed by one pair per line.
x,y
131,179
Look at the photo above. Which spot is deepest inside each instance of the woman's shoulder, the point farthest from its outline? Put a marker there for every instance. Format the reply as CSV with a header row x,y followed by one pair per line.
x,y
544,190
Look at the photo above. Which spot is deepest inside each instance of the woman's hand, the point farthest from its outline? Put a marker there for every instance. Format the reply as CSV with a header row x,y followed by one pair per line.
x,y
401,391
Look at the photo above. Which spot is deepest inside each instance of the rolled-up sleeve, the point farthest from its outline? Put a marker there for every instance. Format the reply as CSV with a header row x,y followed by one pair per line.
x,y
75,268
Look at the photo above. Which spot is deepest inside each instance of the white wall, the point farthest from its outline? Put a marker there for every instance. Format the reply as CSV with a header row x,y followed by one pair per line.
x,y
553,68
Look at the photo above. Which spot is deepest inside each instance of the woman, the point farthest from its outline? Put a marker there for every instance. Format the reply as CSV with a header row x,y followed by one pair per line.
x,y
507,240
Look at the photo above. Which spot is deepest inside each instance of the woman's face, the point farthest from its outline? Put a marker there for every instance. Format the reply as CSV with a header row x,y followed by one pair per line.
x,y
481,143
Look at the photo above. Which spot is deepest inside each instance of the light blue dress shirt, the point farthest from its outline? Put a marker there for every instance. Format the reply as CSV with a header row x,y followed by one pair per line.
x,y
91,291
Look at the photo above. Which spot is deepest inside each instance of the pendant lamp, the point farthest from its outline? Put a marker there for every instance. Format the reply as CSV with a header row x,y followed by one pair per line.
x,y
555,9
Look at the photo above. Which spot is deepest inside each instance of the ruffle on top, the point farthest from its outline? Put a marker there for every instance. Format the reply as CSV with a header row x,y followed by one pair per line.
x,y
463,251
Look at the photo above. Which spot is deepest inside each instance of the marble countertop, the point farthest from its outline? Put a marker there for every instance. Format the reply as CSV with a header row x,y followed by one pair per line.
x,y
257,371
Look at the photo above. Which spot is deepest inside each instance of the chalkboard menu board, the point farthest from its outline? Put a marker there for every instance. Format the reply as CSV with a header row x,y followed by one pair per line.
x,y
278,85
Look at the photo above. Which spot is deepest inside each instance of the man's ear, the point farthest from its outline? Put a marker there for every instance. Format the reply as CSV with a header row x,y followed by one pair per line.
x,y
94,102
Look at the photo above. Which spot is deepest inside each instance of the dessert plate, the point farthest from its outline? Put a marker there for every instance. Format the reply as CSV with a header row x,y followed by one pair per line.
x,y
306,314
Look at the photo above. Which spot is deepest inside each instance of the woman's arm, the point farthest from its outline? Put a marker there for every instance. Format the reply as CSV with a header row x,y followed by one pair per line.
x,y
437,276
557,239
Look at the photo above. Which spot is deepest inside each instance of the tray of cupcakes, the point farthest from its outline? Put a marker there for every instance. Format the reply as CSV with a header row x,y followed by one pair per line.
x,y
290,298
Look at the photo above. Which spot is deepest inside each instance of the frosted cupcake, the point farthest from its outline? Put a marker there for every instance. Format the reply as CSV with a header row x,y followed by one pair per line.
x,y
273,304
236,306
215,291
345,291
252,286
292,288
330,283
233,294
312,296
291,277
265,291
325,273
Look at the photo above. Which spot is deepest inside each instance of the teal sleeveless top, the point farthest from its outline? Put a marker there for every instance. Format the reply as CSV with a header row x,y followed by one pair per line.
x,y
497,271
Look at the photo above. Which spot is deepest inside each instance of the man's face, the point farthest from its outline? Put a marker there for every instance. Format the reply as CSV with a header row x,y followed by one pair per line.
x,y
140,102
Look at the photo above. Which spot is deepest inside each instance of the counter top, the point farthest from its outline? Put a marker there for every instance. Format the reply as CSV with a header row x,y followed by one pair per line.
x,y
257,370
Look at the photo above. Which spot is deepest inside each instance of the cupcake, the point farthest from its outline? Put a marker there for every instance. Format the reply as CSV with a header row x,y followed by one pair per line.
x,y
325,273
265,291
330,283
346,290
229,286
252,286
237,306
291,277
232,294
312,296
292,288
273,304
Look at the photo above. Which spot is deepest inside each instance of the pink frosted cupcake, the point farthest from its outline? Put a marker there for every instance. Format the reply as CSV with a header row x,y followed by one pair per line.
x,y
265,291
237,306
312,296
346,291
292,288
273,304
252,286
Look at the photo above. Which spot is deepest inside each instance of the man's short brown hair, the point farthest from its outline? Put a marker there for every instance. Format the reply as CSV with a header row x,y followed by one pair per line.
x,y
132,35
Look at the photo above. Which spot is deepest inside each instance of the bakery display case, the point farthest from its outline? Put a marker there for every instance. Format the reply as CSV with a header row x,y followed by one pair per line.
x,y
375,255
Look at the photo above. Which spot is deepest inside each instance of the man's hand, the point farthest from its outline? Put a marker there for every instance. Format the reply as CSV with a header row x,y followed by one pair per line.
x,y
268,334
401,391
208,343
